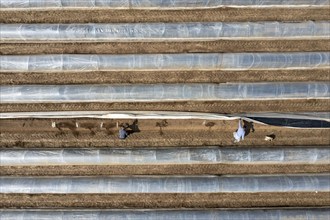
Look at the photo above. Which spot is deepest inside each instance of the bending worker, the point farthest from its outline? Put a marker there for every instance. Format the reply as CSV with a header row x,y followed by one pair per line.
x,y
122,133
239,133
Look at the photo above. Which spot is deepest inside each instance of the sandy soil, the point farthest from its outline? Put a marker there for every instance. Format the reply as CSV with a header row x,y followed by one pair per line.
x,y
198,200
217,46
39,133
220,14
310,105
166,169
152,77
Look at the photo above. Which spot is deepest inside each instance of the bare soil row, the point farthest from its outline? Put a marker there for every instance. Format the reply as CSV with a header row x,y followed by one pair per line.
x,y
213,46
303,105
164,169
40,134
199,15
154,139
167,200
153,77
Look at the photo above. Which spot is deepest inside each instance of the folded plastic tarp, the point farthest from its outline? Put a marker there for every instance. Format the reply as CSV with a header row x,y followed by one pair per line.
x,y
183,214
162,92
163,31
166,184
325,116
157,62
279,155
292,123
158,3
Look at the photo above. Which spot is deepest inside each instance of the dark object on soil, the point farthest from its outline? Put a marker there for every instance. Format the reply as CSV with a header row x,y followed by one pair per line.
x,y
134,127
248,127
270,137
161,125
127,129
209,124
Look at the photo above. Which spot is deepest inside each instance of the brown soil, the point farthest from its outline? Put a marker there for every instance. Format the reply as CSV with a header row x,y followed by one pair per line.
x,y
152,77
200,15
168,169
39,133
217,46
310,105
167,200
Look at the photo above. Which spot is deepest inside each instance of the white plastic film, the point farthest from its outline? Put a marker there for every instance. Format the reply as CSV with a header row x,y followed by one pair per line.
x,y
183,214
162,92
279,155
166,184
322,116
162,4
158,62
163,31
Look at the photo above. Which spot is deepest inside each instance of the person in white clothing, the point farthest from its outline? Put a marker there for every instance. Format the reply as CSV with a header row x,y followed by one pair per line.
x,y
240,133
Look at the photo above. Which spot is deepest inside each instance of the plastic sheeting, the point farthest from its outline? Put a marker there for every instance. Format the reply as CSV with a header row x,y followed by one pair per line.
x,y
162,92
292,123
183,214
157,3
290,115
163,31
157,62
38,157
165,184
162,115
324,116
128,115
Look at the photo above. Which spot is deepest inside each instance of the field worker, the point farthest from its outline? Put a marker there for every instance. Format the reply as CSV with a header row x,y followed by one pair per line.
x,y
239,133
122,133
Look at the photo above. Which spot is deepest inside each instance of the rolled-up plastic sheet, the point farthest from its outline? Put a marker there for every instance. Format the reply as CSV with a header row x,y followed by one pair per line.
x,y
279,155
162,92
322,116
166,184
163,31
158,62
157,3
183,214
